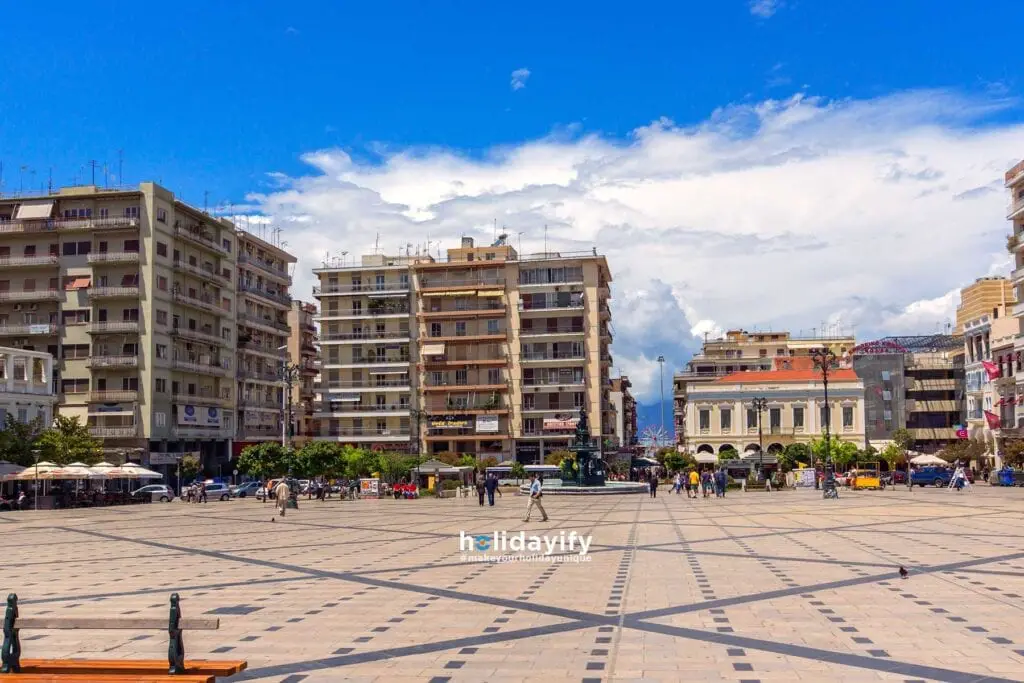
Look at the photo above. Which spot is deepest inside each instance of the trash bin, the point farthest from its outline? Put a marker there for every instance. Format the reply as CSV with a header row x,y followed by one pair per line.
x,y
1006,477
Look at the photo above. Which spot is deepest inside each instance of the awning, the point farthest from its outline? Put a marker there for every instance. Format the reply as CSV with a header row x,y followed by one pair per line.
x,y
78,283
492,292
41,209
705,458
433,349
447,293
104,413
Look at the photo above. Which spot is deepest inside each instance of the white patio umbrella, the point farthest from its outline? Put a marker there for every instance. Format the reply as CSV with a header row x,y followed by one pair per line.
x,y
42,471
928,460
77,470
130,470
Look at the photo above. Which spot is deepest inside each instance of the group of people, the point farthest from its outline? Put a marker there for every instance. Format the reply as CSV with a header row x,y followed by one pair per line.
x,y
195,492
487,486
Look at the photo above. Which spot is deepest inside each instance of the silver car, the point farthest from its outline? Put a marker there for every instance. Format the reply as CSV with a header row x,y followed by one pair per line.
x,y
156,492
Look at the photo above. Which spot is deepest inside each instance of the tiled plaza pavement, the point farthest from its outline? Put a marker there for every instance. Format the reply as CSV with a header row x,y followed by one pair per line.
x,y
754,587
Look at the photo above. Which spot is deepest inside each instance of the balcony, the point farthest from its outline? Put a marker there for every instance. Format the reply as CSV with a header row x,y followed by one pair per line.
x,y
365,434
128,432
526,307
457,361
261,350
552,331
113,292
481,336
259,375
323,409
397,359
549,356
203,398
113,396
440,283
205,302
112,257
202,273
10,227
264,323
113,327
452,386
538,384
468,407
368,312
355,337
197,367
252,403
268,268
275,298
34,295
259,432
468,312
203,432
558,408
932,433
359,290
363,385
27,330
1015,209
204,335
83,224
202,238
28,261
102,361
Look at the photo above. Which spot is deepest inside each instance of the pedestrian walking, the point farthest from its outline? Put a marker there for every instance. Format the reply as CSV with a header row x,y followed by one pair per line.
x,y
693,483
536,493
721,481
652,484
491,485
282,493
202,492
481,488
768,482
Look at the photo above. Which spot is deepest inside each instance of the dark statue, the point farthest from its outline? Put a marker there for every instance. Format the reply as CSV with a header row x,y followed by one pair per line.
x,y
588,458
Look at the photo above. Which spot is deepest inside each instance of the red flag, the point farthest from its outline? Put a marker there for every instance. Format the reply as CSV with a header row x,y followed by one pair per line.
x,y
961,433
992,369
993,420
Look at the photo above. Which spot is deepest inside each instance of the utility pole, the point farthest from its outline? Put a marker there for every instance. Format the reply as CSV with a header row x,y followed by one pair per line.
x,y
661,406
92,165
825,359
759,404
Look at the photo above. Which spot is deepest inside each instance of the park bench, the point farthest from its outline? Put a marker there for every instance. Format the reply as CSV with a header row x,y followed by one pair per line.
x,y
175,669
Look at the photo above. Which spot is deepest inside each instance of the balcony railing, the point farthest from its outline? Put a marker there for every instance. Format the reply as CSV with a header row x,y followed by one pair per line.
x,y
360,289
560,381
203,303
364,432
527,305
438,312
222,432
441,282
250,260
369,359
104,257
28,261
261,349
257,431
114,432
203,398
113,396
101,361
203,273
559,408
34,295
254,374
7,227
200,368
373,312
27,330
246,318
203,335
366,335
534,331
113,292
265,403
275,297
344,407
1014,208
362,384
561,355
115,223
202,238
128,326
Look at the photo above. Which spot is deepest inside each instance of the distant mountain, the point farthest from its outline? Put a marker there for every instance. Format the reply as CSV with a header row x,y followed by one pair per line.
x,y
648,415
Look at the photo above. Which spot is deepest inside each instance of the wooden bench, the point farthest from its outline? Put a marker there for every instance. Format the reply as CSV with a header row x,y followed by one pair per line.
x,y
174,668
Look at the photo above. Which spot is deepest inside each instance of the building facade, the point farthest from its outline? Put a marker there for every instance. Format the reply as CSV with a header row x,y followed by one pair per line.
x,y
484,353
741,351
304,367
722,415
263,334
1014,181
28,390
625,412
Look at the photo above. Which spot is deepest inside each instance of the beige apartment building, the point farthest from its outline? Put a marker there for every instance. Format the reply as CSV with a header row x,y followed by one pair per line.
x,y
1014,180
741,351
264,306
303,368
486,353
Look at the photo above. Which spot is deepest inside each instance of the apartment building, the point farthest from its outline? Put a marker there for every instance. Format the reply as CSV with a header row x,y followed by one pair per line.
x,y
723,416
742,351
263,332
1014,181
913,382
27,386
303,366
486,352
132,292
625,412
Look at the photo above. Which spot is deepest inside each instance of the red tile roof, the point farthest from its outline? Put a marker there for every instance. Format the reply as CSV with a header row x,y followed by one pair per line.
x,y
759,376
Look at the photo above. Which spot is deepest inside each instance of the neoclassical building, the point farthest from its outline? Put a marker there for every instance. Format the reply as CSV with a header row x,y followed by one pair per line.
x,y
723,417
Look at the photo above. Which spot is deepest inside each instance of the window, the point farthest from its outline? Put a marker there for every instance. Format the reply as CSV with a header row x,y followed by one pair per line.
x,y
461,377
492,327
847,416
725,419
160,419
74,386
161,215
30,284
704,418
76,351
227,245
435,329
751,418
460,329
78,316
30,250
69,248
436,379
161,317
104,213
161,385
489,256
130,315
798,417
161,283
161,351
161,249
775,419
131,245
494,376
824,417
131,212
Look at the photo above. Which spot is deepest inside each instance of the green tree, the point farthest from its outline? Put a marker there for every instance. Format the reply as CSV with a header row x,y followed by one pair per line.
x,y
964,450
394,466
728,454
360,462
794,454
267,460
69,441
1013,452
518,471
893,455
189,467
675,462
489,461
321,459
19,439
467,460
902,438
448,458
842,453
556,457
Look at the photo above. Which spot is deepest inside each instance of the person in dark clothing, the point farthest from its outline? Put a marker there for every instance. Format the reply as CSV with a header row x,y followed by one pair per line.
x,y
653,484
481,488
491,485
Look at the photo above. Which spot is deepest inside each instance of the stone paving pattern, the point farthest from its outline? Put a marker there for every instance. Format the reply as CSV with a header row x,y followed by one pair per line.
x,y
752,587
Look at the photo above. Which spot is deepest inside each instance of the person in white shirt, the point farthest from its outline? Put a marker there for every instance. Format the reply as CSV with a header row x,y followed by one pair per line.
x,y
535,495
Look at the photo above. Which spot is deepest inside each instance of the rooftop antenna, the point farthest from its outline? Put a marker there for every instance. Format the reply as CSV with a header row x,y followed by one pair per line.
x,y
520,235
93,164
494,232
49,182
343,255
545,239
376,244
206,199
120,165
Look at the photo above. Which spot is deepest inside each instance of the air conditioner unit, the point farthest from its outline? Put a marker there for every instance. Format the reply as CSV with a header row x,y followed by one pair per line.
x,y
18,307
33,307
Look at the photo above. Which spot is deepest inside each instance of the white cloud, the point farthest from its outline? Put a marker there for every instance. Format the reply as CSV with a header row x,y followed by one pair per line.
x,y
519,77
764,8
780,214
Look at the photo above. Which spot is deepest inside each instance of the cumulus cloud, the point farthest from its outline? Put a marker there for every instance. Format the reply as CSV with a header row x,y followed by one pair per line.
x,y
519,77
778,214
764,8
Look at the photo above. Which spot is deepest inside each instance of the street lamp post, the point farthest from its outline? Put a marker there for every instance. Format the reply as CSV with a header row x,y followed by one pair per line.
x,y
661,406
759,404
35,490
289,373
825,360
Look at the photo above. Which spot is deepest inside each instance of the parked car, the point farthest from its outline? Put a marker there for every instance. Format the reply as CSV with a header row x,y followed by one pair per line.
x,y
156,493
218,491
931,476
249,488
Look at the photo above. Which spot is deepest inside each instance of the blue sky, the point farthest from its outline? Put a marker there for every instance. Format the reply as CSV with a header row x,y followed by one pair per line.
x,y
732,158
